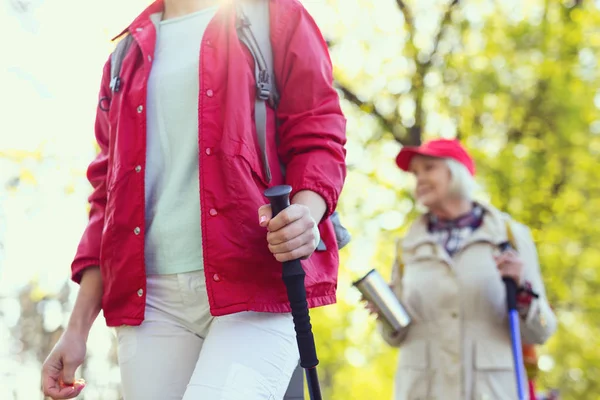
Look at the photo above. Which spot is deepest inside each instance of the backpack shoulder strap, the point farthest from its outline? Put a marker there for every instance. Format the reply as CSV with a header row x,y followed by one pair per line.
x,y
116,60
254,30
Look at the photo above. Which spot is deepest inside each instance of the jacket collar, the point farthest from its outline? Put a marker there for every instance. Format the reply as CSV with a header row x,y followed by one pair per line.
x,y
492,229
144,18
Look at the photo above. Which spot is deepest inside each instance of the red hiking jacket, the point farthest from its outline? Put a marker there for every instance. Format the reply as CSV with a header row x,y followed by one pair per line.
x,y
241,273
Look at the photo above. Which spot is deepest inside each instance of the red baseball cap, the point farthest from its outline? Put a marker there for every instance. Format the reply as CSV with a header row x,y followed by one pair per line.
x,y
440,148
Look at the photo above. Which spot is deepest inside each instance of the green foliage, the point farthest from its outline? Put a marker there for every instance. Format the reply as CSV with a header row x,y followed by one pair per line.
x,y
518,82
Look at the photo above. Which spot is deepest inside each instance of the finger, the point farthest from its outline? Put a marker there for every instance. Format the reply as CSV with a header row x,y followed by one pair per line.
x,y
49,384
264,214
68,373
510,265
509,257
290,232
286,217
305,238
501,259
515,259
504,268
51,371
504,272
70,392
296,254
509,254
374,311
508,271
67,392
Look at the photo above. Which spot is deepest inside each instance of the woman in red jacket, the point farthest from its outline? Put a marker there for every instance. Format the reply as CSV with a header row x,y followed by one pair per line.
x,y
180,251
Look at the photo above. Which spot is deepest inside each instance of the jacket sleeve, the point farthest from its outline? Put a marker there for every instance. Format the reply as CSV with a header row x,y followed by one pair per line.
x,y
395,339
540,322
312,130
88,251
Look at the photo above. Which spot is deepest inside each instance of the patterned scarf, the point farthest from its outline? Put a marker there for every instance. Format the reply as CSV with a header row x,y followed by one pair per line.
x,y
451,234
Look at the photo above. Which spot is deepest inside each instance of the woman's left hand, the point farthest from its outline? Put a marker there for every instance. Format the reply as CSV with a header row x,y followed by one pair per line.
x,y
510,265
292,234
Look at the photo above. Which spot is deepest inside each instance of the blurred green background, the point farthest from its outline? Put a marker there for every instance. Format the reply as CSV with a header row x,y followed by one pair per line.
x,y
516,80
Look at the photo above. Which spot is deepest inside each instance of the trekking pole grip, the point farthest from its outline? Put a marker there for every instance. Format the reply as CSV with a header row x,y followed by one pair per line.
x,y
511,293
511,286
293,277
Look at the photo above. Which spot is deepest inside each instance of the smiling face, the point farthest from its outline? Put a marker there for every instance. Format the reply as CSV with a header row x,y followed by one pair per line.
x,y
433,180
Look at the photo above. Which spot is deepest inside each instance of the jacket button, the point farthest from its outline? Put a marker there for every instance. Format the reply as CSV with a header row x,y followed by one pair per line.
x,y
209,93
140,292
140,109
454,315
216,278
139,29
138,168
208,151
137,230
213,212
149,58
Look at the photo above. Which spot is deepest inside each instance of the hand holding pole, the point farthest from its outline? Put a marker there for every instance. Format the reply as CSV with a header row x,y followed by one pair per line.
x,y
515,331
293,277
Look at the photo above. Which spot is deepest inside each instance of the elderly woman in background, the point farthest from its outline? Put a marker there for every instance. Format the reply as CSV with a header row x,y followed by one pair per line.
x,y
448,274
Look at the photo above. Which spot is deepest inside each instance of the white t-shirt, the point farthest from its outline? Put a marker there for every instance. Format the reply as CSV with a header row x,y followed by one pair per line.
x,y
173,231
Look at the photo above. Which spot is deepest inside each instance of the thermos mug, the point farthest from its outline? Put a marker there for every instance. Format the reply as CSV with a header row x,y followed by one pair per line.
x,y
375,289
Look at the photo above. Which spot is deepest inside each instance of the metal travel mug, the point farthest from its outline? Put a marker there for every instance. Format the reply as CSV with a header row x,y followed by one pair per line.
x,y
375,289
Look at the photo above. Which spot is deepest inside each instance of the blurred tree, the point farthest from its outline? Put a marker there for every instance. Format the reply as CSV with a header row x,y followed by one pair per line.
x,y
518,82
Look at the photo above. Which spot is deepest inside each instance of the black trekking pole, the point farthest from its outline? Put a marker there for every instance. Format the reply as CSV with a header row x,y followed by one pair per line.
x,y
293,277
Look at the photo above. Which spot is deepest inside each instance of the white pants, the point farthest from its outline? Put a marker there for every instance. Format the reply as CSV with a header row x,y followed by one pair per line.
x,y
181,352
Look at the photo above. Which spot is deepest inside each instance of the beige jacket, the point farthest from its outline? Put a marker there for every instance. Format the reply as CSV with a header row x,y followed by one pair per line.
x,y
458,346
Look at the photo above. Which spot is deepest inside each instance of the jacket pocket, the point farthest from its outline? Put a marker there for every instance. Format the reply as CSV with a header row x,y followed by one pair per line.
x,y
494,376
249,165
414,376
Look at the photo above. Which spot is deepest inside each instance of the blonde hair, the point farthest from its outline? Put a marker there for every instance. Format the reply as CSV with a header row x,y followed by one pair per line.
x,y
462,182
